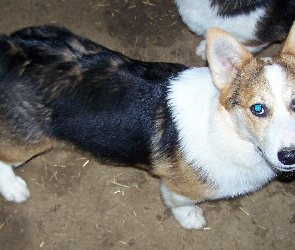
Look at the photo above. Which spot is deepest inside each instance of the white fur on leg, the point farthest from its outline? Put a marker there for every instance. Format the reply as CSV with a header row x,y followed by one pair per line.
x,y
183,209
12,187
256,49
17,164
201,50
189,217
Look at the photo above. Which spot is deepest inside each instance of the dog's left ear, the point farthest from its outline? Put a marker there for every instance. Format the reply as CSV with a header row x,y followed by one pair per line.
x,y
226,56
289,47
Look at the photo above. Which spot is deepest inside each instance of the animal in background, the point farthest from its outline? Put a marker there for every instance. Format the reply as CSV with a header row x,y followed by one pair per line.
x,y
255,23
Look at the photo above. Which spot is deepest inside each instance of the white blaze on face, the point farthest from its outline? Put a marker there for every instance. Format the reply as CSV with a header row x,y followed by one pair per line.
x,y
281,130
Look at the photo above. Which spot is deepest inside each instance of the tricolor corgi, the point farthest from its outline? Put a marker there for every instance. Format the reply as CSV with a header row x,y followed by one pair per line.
x,y
255,23
208,133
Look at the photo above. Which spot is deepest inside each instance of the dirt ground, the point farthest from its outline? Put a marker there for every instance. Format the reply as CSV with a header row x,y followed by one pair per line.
x,y
77,203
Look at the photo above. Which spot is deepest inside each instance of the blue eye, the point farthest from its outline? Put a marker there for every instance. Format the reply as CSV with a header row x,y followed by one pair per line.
x,y
259,110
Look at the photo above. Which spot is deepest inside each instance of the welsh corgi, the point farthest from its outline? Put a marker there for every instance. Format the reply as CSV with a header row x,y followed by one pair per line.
x,y
255,23
207,133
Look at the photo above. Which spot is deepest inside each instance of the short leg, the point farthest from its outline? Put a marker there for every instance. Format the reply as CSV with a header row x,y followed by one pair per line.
x,y
201,50
256,49
12,187
184,210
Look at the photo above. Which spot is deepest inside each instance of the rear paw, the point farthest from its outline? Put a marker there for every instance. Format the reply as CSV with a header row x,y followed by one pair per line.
x,y
189,217
14,189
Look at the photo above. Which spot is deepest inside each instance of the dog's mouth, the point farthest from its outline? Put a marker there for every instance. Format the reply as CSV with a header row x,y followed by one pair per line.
x,y
287,169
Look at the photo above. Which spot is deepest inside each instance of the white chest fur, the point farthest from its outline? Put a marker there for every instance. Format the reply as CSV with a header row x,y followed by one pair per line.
x,y
208,139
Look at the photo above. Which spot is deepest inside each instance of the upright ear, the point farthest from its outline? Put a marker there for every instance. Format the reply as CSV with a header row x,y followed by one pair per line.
x,y
226,56
289,47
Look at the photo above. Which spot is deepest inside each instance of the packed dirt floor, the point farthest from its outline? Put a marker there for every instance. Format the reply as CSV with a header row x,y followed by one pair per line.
x,y
78,203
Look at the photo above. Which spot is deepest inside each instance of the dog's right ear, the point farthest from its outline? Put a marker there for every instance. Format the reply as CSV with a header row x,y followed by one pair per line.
x,y
226,56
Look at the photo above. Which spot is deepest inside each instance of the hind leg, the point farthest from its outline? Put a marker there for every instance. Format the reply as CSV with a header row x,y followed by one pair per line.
x,y
12,187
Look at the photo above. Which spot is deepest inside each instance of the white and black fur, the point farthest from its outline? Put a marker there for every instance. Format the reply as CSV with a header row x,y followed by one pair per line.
x,y
195,128
255,23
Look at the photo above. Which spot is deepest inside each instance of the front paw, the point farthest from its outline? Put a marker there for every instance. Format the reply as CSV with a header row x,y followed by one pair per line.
x,y
14,189
189,217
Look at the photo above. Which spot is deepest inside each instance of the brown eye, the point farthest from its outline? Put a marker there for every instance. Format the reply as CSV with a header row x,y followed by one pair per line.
x,y
260,110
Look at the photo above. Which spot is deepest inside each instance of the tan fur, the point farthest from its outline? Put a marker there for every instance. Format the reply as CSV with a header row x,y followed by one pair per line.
x,y
289,47
174,171
77,46
245,84
287,63
235,58
180,178
22,153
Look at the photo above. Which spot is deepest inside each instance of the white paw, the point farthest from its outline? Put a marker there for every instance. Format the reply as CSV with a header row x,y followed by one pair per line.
x,y
12,187
15,190
189,217
201,50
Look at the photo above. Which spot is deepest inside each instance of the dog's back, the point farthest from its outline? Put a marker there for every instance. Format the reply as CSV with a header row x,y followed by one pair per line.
x,y
58,86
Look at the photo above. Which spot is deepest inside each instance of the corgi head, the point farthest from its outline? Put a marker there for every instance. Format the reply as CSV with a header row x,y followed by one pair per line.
x,y
257,94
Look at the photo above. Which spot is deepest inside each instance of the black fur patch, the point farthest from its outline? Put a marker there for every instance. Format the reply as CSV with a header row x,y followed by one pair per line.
x,y
276,23
273,26
94,98
229,8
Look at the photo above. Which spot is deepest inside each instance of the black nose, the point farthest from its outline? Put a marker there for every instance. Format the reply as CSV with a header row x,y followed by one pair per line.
x,y
287,156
